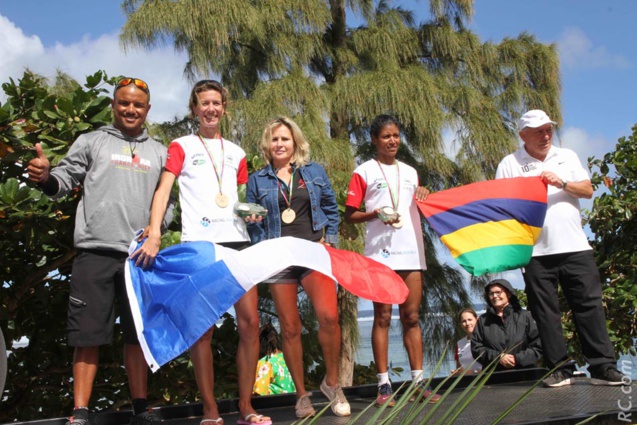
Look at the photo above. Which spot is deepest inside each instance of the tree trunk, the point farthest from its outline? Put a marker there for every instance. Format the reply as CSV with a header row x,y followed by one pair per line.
x,y
348,308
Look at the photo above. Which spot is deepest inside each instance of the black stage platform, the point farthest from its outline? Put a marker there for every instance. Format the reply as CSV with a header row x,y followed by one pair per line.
x,y
567,405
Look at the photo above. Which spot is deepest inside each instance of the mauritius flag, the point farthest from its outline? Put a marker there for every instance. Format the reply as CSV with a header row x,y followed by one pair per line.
x,y
191,285
490,226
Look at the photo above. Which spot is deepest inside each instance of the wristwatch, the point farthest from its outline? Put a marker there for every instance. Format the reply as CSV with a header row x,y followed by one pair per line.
x,y
564,183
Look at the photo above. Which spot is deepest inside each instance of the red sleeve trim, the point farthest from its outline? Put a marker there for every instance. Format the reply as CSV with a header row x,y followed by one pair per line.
x,y
242,172
176,156
356,191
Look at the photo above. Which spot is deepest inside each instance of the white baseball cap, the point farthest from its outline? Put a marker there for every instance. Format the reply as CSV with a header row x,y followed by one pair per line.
x,y
534,118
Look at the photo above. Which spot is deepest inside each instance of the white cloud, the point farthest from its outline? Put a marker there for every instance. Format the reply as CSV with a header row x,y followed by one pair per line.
x,y
577,51
161,68
16,49
586,145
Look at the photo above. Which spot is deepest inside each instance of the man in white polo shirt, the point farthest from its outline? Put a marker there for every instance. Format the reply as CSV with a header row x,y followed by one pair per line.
x,y
562,254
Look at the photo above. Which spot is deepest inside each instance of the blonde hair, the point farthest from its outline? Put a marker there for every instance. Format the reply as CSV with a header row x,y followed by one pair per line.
x,y
301,146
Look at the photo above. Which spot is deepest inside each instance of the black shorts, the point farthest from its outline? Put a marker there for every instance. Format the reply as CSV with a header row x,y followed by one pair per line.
x,y
237,246
293,274
97,280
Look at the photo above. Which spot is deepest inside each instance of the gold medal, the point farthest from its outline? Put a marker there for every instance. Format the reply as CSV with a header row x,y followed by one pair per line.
x,y
288,215
221,200
398,224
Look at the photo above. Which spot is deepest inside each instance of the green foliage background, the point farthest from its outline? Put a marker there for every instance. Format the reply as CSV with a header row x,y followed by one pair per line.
x,y
613,221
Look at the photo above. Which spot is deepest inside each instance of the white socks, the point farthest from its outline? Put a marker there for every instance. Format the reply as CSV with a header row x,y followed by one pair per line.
x,y
383,378
416,375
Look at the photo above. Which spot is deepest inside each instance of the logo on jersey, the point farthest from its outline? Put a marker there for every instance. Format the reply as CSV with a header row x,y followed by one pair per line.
x,y
527,168
230,161
130,162
411,252
205,221
385,253
198,159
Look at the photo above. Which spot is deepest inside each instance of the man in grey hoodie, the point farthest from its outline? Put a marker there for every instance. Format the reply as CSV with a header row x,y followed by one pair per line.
x,y
118,167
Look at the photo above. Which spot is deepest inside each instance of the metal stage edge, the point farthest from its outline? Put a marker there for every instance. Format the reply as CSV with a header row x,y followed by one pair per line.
x,y
553,406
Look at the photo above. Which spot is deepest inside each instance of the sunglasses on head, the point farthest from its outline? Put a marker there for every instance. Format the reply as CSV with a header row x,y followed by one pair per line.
x,y
140,84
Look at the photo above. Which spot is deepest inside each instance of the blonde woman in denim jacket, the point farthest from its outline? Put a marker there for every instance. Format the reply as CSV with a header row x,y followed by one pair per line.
x,y
300,203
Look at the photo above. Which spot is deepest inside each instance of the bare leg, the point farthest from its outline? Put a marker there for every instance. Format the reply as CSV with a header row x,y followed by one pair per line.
x,y
285,300
412,335
85,361
380,336
322,293
201,355
248,350
136,369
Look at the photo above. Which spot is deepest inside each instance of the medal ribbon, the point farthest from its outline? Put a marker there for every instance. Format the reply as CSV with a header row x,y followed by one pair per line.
x,y
223,160
290,187
394,198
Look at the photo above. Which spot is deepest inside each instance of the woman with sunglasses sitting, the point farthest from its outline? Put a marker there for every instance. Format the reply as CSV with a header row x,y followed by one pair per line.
x,y
505,333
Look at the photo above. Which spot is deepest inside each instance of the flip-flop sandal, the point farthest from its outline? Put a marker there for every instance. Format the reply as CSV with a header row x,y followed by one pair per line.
x,y
246,420
218,421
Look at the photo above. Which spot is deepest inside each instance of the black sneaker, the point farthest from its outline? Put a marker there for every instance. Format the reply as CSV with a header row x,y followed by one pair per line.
x,y
559,378
610,376
145,418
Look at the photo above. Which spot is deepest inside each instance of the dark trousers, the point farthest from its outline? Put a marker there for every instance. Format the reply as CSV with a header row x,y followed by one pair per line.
x,y
577,273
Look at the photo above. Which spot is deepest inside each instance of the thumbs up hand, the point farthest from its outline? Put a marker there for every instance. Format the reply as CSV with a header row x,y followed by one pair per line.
x,y
39,166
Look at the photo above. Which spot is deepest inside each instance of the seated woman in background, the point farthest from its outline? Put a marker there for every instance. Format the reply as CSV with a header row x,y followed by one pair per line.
x,y
464,360
273,376
505,332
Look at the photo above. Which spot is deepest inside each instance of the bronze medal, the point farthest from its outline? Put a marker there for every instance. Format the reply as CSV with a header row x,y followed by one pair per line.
x,y
221,200
288,215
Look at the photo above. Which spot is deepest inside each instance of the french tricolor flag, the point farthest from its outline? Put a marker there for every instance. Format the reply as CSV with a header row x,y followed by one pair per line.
x,y
191,285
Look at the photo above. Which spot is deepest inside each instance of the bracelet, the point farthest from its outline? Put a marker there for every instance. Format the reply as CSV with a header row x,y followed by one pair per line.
x,y
564,183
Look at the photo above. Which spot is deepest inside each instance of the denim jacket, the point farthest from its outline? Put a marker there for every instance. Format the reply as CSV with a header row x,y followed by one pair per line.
x,y
264,190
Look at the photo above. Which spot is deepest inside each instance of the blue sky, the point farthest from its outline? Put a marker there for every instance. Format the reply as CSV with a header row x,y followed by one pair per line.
x,y
596,41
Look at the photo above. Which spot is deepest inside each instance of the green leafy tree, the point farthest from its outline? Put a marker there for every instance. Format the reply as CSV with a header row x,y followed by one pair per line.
x,y
306,59
613,221
36,238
